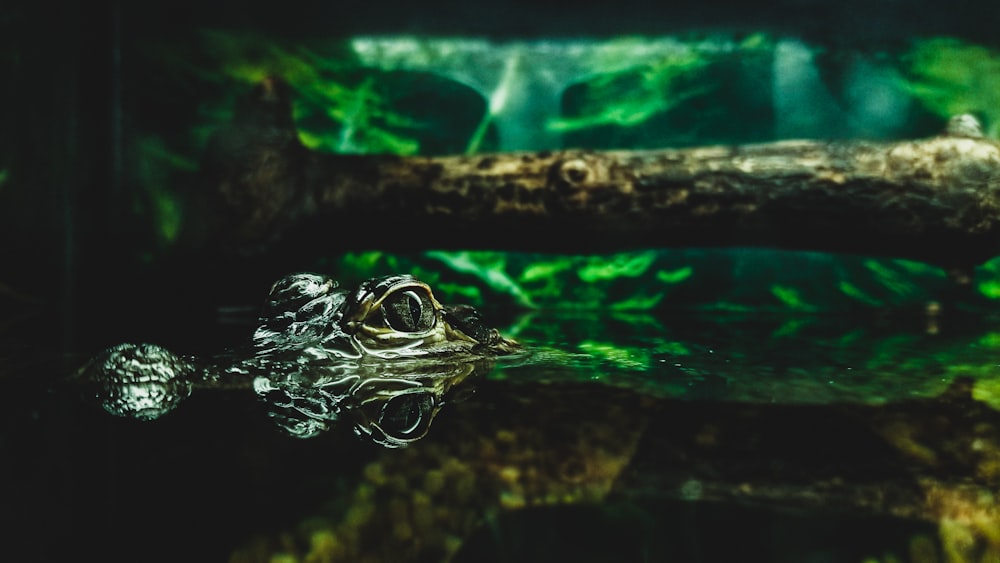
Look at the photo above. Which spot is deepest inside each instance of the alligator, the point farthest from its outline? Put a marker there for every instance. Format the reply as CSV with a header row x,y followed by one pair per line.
x,y
384,356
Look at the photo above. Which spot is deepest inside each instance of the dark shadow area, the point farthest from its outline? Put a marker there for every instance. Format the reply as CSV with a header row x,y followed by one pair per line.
x,y
687,531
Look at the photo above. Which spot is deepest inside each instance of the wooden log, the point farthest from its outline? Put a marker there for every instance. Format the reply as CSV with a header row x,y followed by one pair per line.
x,y
935,200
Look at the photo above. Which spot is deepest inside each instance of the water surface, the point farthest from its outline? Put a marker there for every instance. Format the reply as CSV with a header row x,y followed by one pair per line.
x,y
612,437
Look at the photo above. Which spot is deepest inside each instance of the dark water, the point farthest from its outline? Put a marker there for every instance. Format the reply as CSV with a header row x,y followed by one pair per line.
x,y
612,438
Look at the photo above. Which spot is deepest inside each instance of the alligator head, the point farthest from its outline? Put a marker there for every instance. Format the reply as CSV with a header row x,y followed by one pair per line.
x,y
384,356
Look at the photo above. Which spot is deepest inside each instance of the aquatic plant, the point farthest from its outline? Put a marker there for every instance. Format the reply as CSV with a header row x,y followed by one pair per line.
x,y
619,281
716,280
988,279
157,168
336,107
488,267
791,298
630,97
626,104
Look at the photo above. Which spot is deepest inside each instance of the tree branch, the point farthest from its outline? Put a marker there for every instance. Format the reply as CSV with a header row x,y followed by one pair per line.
x,y
935,200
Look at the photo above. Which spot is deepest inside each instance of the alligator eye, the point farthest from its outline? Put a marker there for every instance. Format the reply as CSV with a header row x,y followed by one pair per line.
x,y
409,311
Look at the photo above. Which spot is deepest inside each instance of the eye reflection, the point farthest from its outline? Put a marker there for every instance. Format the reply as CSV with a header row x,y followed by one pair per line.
x,y
406,416
409,311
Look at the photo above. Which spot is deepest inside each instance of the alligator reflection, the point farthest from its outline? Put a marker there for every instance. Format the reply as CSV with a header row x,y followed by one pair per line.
x,y
384,357
392,408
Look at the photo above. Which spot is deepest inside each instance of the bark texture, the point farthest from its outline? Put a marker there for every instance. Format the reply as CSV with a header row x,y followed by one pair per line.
x,y
936,200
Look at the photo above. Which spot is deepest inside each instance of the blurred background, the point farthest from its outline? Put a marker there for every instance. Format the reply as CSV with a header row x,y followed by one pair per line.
x,y
107,110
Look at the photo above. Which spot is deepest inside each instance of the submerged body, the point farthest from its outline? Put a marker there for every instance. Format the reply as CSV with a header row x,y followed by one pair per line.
x,y
383,355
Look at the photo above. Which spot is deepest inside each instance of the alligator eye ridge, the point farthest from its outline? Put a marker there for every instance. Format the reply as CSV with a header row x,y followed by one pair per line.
x,y
409,310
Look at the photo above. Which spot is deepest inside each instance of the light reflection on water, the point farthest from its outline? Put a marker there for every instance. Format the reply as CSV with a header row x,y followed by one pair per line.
x,y
754,358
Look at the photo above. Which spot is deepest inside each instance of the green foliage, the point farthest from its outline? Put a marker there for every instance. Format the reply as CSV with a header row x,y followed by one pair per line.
x,y
488,267
684,96
989,279
616,281
366,125
664,279
623,281
791,298
891,279
854,292
3,177
157,168
337,108
675,276
951,77
630,97
615,266
638,302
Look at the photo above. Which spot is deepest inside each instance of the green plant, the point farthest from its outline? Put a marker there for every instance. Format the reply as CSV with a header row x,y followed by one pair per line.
x,y
950,76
